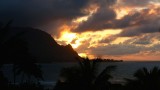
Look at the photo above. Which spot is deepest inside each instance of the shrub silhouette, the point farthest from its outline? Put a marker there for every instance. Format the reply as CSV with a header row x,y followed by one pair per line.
x,y
14,50
145,80
84,77
3,80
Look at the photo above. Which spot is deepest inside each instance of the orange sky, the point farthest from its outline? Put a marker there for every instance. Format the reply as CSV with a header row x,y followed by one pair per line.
x,y
118,29
115,41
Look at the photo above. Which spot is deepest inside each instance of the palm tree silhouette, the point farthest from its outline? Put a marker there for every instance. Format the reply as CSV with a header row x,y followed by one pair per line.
x,y
15,51
24,63
29,70
145,79
3,79
4,31
84,76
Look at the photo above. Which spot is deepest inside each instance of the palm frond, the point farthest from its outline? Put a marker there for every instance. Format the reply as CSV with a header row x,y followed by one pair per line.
x,y
4,30
105,75
141,73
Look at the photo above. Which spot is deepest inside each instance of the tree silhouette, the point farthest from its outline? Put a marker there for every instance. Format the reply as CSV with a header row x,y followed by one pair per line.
x,y
84,77
14,50
4,31
145,79
24,63
29,70
3,80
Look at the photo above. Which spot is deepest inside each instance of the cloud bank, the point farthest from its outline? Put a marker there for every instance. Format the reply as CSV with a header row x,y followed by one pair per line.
x,y
137,20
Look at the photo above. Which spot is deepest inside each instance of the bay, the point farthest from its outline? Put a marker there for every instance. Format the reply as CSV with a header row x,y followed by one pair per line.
x,y
51,72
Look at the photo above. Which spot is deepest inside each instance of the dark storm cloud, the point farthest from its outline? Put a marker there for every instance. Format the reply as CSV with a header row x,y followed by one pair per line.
x,y
140,23
100,19
97,21
142,42
132,19
135,3
103,3
145,39
68,9
140,30
135,45
108,39
155,48
33,12
116,49
135,23
52,14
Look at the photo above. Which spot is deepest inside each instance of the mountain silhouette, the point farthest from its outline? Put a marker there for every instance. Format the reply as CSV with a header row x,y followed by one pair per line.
x,y
40,44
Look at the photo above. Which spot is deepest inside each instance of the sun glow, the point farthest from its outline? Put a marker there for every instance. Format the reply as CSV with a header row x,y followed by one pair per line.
x,y
121,12
81,19
82,55
120,40
76,44
69,38
92,38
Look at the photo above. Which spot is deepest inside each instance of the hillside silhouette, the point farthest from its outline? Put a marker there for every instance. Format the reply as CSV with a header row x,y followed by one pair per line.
x,y
26,47
39,43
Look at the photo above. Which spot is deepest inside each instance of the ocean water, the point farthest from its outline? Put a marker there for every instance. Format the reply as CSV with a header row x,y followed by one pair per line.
x,y
51,71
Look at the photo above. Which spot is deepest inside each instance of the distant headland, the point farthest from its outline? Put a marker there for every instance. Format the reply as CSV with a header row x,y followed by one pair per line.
x,y
106,60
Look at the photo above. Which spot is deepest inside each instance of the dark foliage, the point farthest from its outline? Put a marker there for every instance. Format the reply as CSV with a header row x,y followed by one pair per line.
x,y
3,81
15,51
145,80
85,77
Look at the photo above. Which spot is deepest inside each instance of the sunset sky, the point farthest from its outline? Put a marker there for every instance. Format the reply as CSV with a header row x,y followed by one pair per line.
x,y
118,29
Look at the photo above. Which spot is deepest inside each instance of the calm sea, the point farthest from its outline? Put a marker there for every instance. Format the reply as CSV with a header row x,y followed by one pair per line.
x,y
51,71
